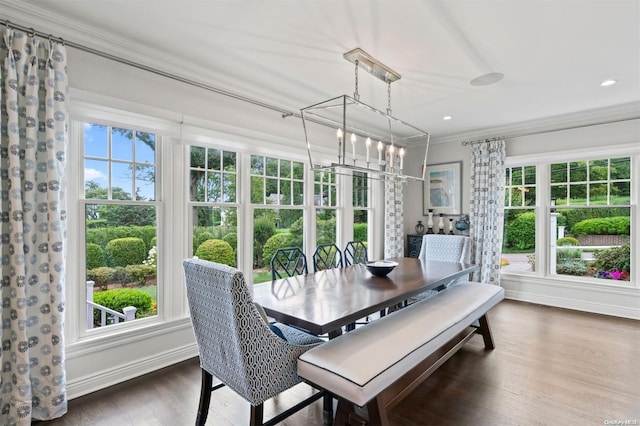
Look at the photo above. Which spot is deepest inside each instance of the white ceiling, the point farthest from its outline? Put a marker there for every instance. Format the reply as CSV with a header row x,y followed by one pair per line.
x,y
288,53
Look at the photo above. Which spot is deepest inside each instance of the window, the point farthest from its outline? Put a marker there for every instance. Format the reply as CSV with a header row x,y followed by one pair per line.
x,y
592,218
120,213
361,209
213,204
325,201
519,237
278,183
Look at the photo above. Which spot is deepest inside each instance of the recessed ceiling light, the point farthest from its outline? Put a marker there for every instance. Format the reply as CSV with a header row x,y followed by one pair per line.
x,y
609,82
447,117
487,79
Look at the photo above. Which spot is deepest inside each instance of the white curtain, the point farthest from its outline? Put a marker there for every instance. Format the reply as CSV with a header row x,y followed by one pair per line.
x,y
487,208
393,216
33,218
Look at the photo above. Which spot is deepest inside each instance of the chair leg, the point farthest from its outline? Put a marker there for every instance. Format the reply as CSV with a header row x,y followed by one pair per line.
x,y
257,412
205,398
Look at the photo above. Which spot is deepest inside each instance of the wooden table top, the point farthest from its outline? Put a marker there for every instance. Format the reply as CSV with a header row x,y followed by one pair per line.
x,y
324,301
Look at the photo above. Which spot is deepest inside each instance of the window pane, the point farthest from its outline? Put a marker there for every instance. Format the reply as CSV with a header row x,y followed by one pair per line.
x,y
145,147
578,171
578,194
285,168
519,242
273,229
360,225
118,261
271,193
229,190
145,183
272,167
257,190
213,159
530,196
285,191
332,196
559,173
121,144
197,185
197,157
517,177
214,182
218,224
325,226
95,140
298,170
620,193
121,181
598,193
598,170
560,194
621,168
530,175
229,161
298,193
257,165
96,176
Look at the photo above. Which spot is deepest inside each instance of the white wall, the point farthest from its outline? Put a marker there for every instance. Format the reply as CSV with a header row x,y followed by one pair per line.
x,y
602,297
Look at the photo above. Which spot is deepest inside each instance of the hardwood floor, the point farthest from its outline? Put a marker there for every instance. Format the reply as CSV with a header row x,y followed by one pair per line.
x,y
551,366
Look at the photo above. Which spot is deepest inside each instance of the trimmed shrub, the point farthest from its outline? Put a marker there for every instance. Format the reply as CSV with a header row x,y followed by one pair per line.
x,y
102,236
201,237
232,239
102,276
216,251
521,231
95,256
619,225
140,273
568,253
360,231
325,231
567,241
571,267
120,299
126,251
263,229
274,243
613,259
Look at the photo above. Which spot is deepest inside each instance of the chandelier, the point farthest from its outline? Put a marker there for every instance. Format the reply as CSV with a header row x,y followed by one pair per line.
x,y
367,140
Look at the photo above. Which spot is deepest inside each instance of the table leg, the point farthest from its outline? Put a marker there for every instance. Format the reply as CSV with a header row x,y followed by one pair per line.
x,y
327,411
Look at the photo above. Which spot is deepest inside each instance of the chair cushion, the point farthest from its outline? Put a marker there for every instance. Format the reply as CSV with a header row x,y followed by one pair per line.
x,y
362,363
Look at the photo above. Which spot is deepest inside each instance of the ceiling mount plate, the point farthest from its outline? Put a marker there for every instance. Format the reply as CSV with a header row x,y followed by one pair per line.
x,y
371,65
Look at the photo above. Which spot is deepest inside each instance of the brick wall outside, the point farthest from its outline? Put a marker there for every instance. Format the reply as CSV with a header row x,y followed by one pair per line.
x,y
603,240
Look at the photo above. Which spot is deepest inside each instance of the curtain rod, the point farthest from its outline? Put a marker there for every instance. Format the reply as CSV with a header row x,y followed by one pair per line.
x,y
519,135
32,32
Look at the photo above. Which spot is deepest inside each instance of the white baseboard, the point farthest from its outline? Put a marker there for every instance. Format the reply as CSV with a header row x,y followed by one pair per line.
x,y
109,377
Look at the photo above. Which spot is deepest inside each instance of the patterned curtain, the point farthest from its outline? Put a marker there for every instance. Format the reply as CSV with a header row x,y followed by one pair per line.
x,y
487,209
34,120
393,217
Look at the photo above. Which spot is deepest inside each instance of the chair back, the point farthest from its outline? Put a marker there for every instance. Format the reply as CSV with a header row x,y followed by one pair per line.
x,y
450,248
355,252
327,256
234,342
288,262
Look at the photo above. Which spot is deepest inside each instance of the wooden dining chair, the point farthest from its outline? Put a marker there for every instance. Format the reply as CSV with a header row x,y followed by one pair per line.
x,y
327,256
355,252
288,262
236,345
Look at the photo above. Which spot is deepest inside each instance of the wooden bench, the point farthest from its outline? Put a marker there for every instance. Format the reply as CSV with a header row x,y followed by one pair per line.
x,y
380,363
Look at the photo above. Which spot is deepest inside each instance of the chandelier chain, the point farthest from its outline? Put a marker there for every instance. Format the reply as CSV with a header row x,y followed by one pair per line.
x,y
356,95
389,97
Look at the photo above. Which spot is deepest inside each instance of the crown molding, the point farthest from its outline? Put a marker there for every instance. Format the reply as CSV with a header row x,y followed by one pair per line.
x,y
611,114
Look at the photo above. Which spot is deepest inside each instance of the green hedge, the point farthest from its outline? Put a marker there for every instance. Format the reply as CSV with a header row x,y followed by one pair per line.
x,y
360,231
95,256
125,251
619,225
520,232
274,243
567,241
102,236
216,251
121,298
200,237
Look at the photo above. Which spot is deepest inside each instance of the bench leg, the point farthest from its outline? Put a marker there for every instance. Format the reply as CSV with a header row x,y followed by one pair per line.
x,y
377,413
485,330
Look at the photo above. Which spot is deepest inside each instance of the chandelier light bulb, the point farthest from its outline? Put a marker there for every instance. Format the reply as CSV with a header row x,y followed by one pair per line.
x,y
380,148
339,135
368,145
401,154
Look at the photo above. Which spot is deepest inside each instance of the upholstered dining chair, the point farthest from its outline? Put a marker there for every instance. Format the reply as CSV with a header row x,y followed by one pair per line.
x,y
326,256
355,252
288,262
448,248
235,343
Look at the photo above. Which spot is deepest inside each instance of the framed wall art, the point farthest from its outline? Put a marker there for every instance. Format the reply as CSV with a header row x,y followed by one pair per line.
x,y
442,188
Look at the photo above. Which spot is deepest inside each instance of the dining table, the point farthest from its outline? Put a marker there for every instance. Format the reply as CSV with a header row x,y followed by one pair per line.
x,y
323,302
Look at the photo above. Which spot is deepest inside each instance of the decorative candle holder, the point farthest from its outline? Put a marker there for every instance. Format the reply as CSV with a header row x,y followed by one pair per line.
x,y
441,224
419,228
450,226
430,222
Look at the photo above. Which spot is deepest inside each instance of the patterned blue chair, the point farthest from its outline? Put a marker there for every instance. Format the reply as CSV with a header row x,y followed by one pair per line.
x,y
327,256
236,344
355,252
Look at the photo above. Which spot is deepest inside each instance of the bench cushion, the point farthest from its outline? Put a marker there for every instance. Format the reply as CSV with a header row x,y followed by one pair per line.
x,y
362,363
